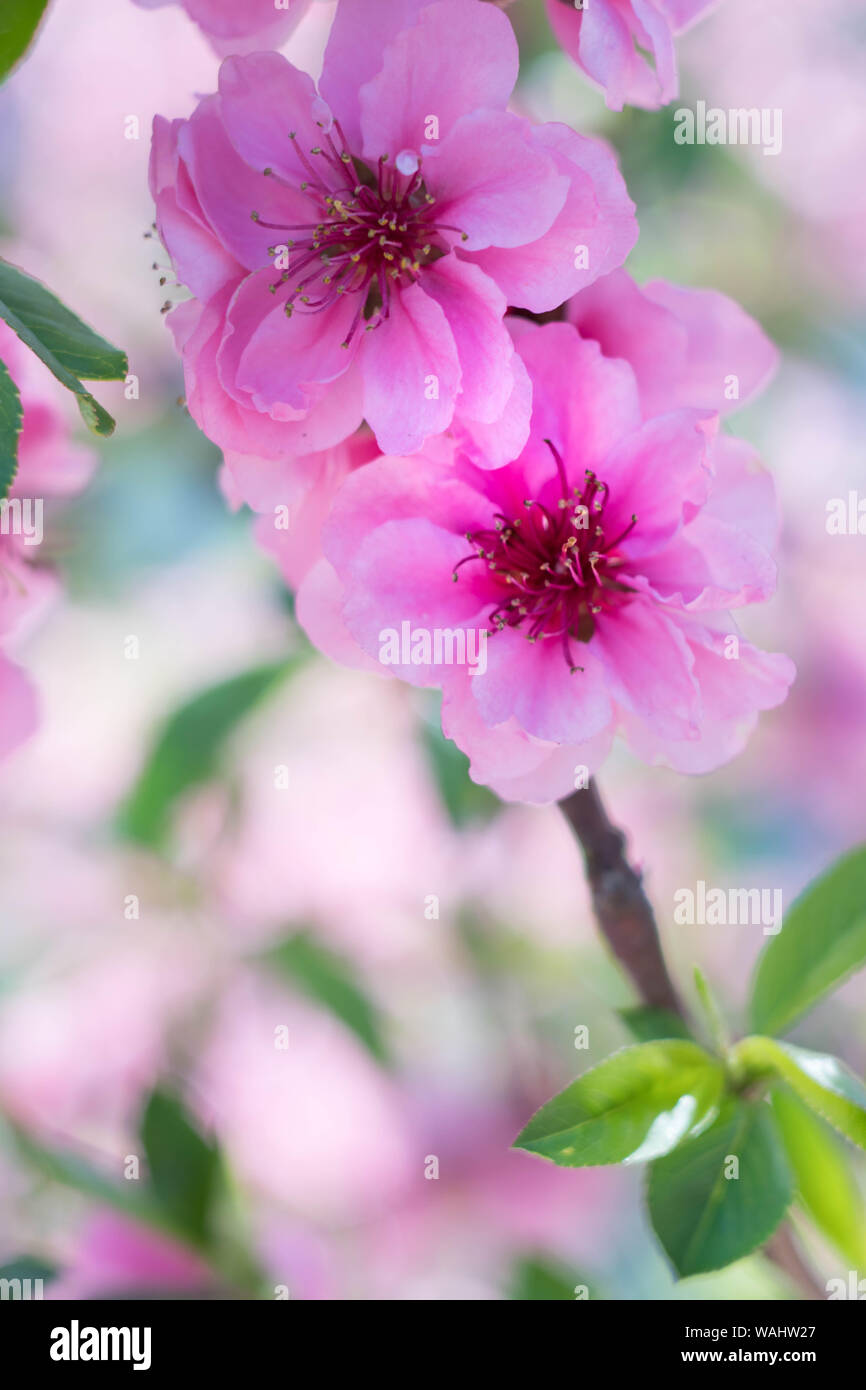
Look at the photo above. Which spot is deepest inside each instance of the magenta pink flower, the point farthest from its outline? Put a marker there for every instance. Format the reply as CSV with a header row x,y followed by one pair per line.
x,y
352,254
240,26
49,464
603,562
614,40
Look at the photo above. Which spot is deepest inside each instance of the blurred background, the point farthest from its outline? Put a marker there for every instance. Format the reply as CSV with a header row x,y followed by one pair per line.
x,y
260,935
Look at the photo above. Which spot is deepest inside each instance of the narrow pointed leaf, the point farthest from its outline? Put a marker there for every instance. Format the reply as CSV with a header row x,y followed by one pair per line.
x,y
636,1105
19,20
330,980
822,942
708,1210
184,1166
825,1084
826,1185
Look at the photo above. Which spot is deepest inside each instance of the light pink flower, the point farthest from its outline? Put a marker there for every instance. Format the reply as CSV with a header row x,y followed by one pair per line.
x,y
49,464
240,26
616,543
614,40
115,1255
412,209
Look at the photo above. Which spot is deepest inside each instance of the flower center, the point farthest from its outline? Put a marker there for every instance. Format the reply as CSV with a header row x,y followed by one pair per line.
x,y
554,569
375,234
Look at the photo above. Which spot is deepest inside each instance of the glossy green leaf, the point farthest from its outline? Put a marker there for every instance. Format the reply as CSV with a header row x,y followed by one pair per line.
x,y
19,20
636,1105
826,1185
708,1210
822,941
826,1085
10,428
188,750
66,345
184,1167
330,980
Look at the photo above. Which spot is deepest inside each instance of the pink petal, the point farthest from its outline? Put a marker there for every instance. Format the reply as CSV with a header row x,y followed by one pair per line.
x,y
493,445
475,310
263,98
531,682
648,667
360,33
411,373
660,474
460,56
19,716
319,609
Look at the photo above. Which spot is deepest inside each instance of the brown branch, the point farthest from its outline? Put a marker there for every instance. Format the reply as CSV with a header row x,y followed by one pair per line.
x,y
628,925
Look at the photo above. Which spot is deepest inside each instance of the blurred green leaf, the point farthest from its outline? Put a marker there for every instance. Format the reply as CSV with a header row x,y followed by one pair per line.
x,y
464,800
825,1183
10,428
826,1085
653,1025
822,941
707,1211
28,1267
541,1278
184,1166
130,1197
636,1105
330,980
19,20
59,338
187,750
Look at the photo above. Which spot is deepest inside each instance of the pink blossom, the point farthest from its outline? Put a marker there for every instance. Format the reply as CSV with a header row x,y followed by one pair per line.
x,y
613,41
616,543
412,209
240,26
114,1255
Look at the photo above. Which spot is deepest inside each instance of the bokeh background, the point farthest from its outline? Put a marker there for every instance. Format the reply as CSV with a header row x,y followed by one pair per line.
x,y
300,858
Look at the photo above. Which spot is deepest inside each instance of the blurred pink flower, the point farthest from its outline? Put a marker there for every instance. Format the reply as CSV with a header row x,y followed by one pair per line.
x,y
49,464
615,543
411,207
626,46
240,26
114,1255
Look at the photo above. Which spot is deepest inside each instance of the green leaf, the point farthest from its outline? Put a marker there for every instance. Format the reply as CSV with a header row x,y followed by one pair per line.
x,y
653,1025
10,428
825,1184
826,1085
66,345
19,20
712,1013
184,1167
330,980
187,750
28,1267
822,941
130,1197
636,1105
705,1219
540,1278
464,800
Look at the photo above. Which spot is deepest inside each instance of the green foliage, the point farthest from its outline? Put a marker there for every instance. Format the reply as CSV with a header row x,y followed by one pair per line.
x,y
330,980
28,1267
10,428
636,1105
184,1166
825,1084
822,941
66,345
826,1185
19,20
543,1279
653,1025
188,749
464,800
708,1210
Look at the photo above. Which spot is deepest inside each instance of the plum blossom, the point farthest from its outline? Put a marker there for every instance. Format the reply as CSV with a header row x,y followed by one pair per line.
x,y
240,26
613,41
352,252
602,562
49,464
